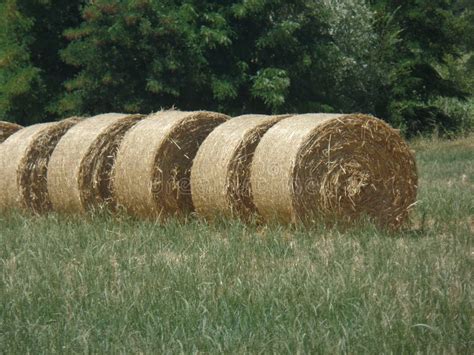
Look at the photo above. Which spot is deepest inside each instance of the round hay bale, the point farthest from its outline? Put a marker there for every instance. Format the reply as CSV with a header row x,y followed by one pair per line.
x,y
151,175
220,176
336,168
80,167
24,161
7,129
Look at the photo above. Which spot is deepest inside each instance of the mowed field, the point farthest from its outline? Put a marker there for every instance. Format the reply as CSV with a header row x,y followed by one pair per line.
x,y
106,284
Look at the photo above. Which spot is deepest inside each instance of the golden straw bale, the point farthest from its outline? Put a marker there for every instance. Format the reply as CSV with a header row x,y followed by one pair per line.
x,y
80,167
333,167
220,176
7,129
24,161
151,175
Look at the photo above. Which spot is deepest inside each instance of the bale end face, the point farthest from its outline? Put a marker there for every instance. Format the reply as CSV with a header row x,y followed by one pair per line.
x,y
335,168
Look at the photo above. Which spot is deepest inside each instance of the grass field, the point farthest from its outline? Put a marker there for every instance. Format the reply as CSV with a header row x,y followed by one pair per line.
x,y
107,285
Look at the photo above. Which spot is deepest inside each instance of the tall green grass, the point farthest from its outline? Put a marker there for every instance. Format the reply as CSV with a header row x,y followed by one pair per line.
x,y
117,285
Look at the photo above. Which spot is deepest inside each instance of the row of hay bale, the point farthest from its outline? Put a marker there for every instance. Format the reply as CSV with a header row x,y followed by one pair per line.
x,y
292,168
305,168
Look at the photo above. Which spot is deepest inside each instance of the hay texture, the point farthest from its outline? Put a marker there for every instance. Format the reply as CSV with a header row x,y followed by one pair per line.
x,y
333,167
24,158
152,171
220,177
80,167
7,129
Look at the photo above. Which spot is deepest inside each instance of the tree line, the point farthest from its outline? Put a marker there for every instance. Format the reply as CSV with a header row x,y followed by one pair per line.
x,y
409,62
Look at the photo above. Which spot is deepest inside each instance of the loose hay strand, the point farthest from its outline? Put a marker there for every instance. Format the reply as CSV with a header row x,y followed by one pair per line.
x,y
80,167
220,176
7,129
334,168
152,170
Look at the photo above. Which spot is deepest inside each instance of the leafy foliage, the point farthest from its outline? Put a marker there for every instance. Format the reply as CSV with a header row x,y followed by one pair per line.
x,y
393,59
271,85
245,56
427,31
31,71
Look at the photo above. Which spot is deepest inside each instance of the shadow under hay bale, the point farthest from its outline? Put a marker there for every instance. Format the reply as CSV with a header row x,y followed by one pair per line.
x,y
333,167
220,176
7,129
24,158
80,167
152,170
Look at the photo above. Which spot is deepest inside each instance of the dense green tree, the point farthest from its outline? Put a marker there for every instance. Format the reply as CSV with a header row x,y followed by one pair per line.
x,y
427,32
357,68
135,56
232,56
395,59
31,71
461,68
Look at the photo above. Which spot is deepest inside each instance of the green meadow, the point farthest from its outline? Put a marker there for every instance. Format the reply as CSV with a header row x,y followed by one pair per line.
x,y
104,284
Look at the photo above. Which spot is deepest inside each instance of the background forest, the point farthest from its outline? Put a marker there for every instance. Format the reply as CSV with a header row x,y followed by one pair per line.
x,y
409,62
